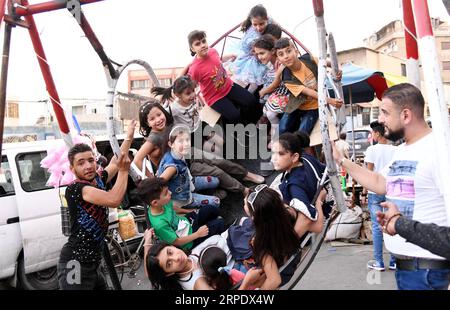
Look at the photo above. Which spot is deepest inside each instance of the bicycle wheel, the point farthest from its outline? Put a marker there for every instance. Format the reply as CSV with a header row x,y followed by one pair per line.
x,y
118,259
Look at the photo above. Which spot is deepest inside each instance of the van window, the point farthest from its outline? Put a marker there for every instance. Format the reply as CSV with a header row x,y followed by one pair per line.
x,y
6,183
359,135
32,176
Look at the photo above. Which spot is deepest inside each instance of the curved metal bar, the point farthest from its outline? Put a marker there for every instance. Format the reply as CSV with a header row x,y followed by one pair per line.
x,y
225,35
305,263
112,84
95,42
297,41
46,7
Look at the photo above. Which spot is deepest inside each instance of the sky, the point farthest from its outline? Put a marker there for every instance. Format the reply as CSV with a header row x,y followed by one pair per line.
x,y
156,31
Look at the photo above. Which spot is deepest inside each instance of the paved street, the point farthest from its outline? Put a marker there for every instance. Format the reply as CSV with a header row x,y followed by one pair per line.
x,y
344,268
334,268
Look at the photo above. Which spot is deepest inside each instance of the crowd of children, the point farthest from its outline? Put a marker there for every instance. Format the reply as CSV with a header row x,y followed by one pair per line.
x,y
269,82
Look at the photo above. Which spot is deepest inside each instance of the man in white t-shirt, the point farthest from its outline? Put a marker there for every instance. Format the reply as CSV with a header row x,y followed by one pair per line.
x,y
411,181
376,158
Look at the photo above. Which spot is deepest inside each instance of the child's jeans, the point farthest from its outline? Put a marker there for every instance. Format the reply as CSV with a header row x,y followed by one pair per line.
x,y
299,120
199,200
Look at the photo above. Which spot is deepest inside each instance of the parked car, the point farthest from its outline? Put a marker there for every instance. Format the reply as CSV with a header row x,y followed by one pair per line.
x,y
363,139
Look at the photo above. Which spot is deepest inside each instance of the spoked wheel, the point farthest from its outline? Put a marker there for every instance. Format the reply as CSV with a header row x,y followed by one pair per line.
x,y
118,259
134,263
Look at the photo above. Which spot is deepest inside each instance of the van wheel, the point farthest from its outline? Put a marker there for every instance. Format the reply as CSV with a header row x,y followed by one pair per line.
x,y
46,279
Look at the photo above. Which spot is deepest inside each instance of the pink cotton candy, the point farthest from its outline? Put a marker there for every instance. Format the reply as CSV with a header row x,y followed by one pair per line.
x,y
67,178
53,180
48,160
57,162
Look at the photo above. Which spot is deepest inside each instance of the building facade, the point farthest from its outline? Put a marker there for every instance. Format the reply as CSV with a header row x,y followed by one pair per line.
x,y
390,40
385,51
139,82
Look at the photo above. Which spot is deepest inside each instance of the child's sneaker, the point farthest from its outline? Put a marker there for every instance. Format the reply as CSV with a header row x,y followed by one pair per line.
x,y
373,264
392,266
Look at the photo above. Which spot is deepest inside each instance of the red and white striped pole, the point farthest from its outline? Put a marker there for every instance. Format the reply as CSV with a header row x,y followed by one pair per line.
x,y
435,91
412,51
2,10
48,78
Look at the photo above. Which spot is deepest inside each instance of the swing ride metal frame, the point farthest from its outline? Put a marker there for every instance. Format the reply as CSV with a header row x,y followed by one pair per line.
x,y
20,13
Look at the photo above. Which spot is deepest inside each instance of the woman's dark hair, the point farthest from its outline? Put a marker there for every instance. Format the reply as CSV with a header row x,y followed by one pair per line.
x,y
211,259
180,84
76,149
144,128
150,189
294,142
272,224
256,11
265,42
194,36
156,274
274,30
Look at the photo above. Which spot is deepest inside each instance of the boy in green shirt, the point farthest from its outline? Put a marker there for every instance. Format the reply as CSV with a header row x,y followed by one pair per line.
x,y
184,231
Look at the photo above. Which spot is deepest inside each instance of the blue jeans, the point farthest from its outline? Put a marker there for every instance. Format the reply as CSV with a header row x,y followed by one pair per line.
x,y
199,200
377,235
299,120
422,279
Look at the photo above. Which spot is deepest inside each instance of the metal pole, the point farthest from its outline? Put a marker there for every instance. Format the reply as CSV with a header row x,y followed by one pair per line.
x,y
353,123
48,78
412,51
90,34
340,113
46,7
282,29
353,142
4,78
436,100
321,89
110,265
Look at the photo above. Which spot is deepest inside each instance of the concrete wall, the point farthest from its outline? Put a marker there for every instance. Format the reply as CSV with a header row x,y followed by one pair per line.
x,y
371,59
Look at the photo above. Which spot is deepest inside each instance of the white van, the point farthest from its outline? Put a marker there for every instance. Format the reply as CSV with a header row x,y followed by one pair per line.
x,y
30,220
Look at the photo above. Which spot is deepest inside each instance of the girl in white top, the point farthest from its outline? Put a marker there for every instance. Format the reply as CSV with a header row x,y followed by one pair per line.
x,y
169,268
184,110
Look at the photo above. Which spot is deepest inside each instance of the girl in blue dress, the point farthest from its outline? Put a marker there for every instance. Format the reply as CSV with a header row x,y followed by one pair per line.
x,y
246,69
